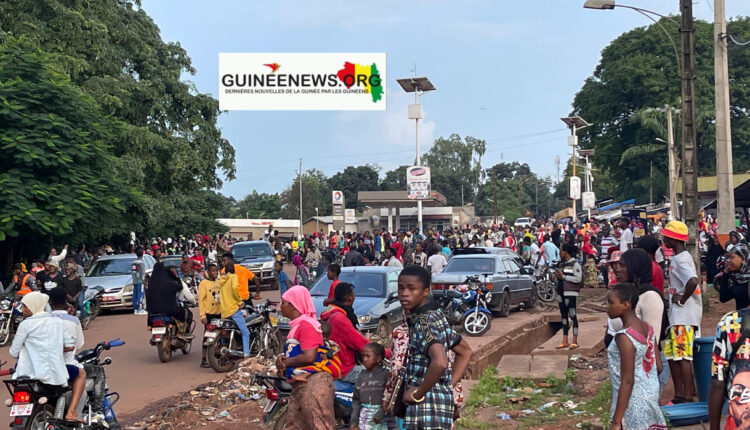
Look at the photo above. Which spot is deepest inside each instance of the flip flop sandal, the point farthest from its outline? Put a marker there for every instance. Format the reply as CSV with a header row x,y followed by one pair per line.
x,y
562,346
573,346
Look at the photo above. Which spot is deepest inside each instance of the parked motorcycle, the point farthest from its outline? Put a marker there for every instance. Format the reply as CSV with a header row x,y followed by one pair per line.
x,y
10,317
468,308
546,285
37,406
278,391
224,339
92,303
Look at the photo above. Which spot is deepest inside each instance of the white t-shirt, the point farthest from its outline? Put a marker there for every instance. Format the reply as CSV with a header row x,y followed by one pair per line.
x,y
436,262
535,251
626,240
681,270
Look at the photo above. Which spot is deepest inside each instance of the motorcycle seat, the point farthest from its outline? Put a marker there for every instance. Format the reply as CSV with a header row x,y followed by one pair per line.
x,y
454,294
284,387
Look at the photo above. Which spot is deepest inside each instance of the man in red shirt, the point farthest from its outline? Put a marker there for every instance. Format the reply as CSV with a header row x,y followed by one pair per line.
x,y
650,244
334,270
198,261
340,315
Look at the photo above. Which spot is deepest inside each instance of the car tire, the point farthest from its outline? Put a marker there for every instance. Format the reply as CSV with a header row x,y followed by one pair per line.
x,y
533,299
503,309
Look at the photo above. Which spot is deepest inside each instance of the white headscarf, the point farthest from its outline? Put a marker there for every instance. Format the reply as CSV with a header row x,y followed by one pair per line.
x,y
35,301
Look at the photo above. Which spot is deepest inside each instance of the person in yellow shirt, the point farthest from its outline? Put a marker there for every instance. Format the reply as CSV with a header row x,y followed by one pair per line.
x,y
231,305
244,276
208,301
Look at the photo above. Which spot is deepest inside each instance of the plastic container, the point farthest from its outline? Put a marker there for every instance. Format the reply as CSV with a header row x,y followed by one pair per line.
x,y
685,414
702,350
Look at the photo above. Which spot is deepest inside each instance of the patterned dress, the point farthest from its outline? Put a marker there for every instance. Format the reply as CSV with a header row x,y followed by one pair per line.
x,y
643,412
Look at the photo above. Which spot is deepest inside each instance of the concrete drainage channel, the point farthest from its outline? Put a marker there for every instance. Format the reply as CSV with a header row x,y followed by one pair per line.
x,y
524,335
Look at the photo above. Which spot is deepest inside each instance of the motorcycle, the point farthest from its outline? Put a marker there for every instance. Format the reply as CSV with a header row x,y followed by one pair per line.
x,y
546,285
37,406
92,303
223,338
468,308
10,317
167,338
278,391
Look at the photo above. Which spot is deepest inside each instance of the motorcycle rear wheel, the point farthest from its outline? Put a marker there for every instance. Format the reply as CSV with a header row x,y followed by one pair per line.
x,y
274,343
476,325
39,417
96,309
219,364
545,290
165,349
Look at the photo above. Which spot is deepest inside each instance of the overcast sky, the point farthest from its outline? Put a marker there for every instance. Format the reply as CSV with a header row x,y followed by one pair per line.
x,y
505,71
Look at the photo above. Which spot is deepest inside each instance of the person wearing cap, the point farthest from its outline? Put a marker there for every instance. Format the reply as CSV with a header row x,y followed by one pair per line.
x,y
685,312
732,281
51,278
23,282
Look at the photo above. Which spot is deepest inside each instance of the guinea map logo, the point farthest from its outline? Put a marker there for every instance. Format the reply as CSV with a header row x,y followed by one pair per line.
x,y
367,76
274,67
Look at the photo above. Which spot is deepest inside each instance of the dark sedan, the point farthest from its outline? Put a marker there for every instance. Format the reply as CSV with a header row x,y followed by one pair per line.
x,y
376,297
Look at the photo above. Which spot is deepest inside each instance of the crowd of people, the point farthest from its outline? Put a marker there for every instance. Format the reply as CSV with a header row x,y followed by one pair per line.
x,y
654,305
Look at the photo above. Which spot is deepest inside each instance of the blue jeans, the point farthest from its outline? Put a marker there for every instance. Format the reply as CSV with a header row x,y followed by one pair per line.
x,y
81,301
240,321
137,296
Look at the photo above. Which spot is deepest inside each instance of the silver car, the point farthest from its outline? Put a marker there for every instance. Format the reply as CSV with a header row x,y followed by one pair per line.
x,y
114,274
510,283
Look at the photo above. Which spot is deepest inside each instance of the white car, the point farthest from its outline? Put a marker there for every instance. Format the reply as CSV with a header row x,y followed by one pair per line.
x,y
523,222
113,274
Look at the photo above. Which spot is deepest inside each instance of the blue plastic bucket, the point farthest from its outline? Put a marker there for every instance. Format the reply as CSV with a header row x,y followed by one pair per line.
x,y
702,350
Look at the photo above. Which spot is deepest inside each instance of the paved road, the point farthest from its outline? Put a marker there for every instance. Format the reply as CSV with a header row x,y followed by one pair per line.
x,y
136,372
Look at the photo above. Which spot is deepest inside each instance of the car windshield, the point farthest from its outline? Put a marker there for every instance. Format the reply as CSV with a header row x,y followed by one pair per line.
x,y
365,284
470,265
251,251
118,266
173,262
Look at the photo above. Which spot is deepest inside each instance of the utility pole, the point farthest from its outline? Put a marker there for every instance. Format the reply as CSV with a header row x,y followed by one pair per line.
x,y
299,177
557,163
724,168
689,159
672,166
651,182
494,190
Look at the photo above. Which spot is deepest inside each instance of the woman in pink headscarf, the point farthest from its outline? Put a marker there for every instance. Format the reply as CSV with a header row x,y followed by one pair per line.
x,y
311,402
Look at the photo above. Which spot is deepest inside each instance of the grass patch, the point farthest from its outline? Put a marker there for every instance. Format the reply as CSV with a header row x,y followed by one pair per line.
x,y
527,402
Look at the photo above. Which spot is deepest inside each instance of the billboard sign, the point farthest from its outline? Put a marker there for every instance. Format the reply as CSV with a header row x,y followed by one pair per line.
x,y
337,197
589,200
418,182
302,81
350,216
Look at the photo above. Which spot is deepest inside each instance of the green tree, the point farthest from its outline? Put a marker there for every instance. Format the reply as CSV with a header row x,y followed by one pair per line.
x,y
638,70
56,171
519,191
315,193
394,180
456,167
259,205
352,180
167,145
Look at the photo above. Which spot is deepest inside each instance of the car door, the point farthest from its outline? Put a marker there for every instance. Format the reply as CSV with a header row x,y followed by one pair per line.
x,y
521,284
392,307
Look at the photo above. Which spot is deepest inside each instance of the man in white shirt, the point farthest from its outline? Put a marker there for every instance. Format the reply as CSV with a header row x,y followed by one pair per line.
x,y
436,263
73,330
626,235
391,260
39,343
685,311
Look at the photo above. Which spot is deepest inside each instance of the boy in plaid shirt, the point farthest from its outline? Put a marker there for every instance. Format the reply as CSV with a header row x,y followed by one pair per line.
x,y
429,380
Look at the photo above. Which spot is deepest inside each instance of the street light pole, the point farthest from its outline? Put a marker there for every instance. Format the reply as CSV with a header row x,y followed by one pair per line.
x,y
416,85
300,199
724,168
689,159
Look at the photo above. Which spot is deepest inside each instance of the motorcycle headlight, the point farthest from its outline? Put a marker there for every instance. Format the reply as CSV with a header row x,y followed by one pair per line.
x,y
5,305
488,296
364,319
284,320
268,265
